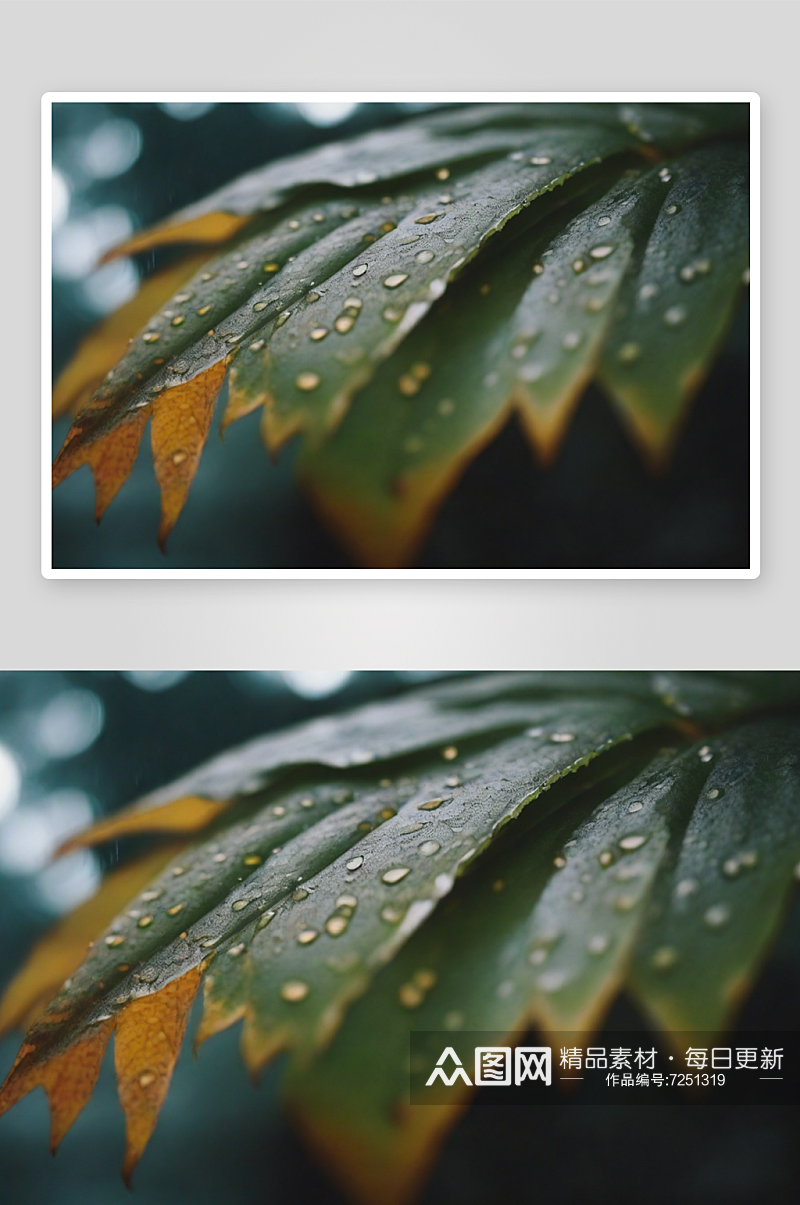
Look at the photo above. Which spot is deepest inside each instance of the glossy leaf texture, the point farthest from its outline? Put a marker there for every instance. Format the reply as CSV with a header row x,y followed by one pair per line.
x,y
493,852
394,298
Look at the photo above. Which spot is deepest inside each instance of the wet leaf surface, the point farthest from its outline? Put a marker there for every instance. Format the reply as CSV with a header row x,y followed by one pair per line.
x,y
320,279
370,875
675,307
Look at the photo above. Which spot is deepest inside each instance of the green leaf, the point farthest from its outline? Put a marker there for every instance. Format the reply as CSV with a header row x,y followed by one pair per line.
x,y
322,279
531,328
720,898
675,308
370,876
441,140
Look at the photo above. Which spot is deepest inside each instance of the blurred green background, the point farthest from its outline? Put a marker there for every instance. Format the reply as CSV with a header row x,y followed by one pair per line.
x,y
76,745
121,166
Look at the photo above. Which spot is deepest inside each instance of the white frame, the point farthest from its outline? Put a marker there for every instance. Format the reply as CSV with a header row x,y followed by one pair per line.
x,y
750,98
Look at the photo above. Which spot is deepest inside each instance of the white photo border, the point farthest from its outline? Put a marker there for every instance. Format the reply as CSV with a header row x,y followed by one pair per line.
x,y
750,98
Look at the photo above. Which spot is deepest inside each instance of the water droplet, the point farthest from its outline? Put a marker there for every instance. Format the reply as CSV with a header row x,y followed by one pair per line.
x,y
604,221
395,874
540,160
450,753
635,842
408,385
665,174
150,336
625,902
354,863
299,893
716,916
147,896
145,922
443,173
312,297
578,265
146,1079
748,858
306,936
561,738
344,323
424,257
319,332
336,925
252,860
649,290
175,909
571,340
259,343
294,990
688,273
714,793
606,857
307,381
391,915
675,315
705,754
410,996
551,981
272,267
428,848
598,944
559,862
239,905
671,209
432,804
283,317
114,939
601,252
426,219
531,372
219,857
392,282
538,956
731,867
664,958
629,352
537,269
686,887
636,807
265,919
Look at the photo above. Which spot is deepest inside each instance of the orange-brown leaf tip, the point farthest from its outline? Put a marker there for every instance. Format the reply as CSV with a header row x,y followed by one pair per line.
x,y
110,456
215,227
384,1167
149,1036
188,814
545,424
181,420
259,1046
240,403
216,1016
107,343
68,1077
63,949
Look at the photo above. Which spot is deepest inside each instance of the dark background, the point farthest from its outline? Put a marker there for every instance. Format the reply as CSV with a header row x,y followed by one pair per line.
x,y
597,507
110,736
